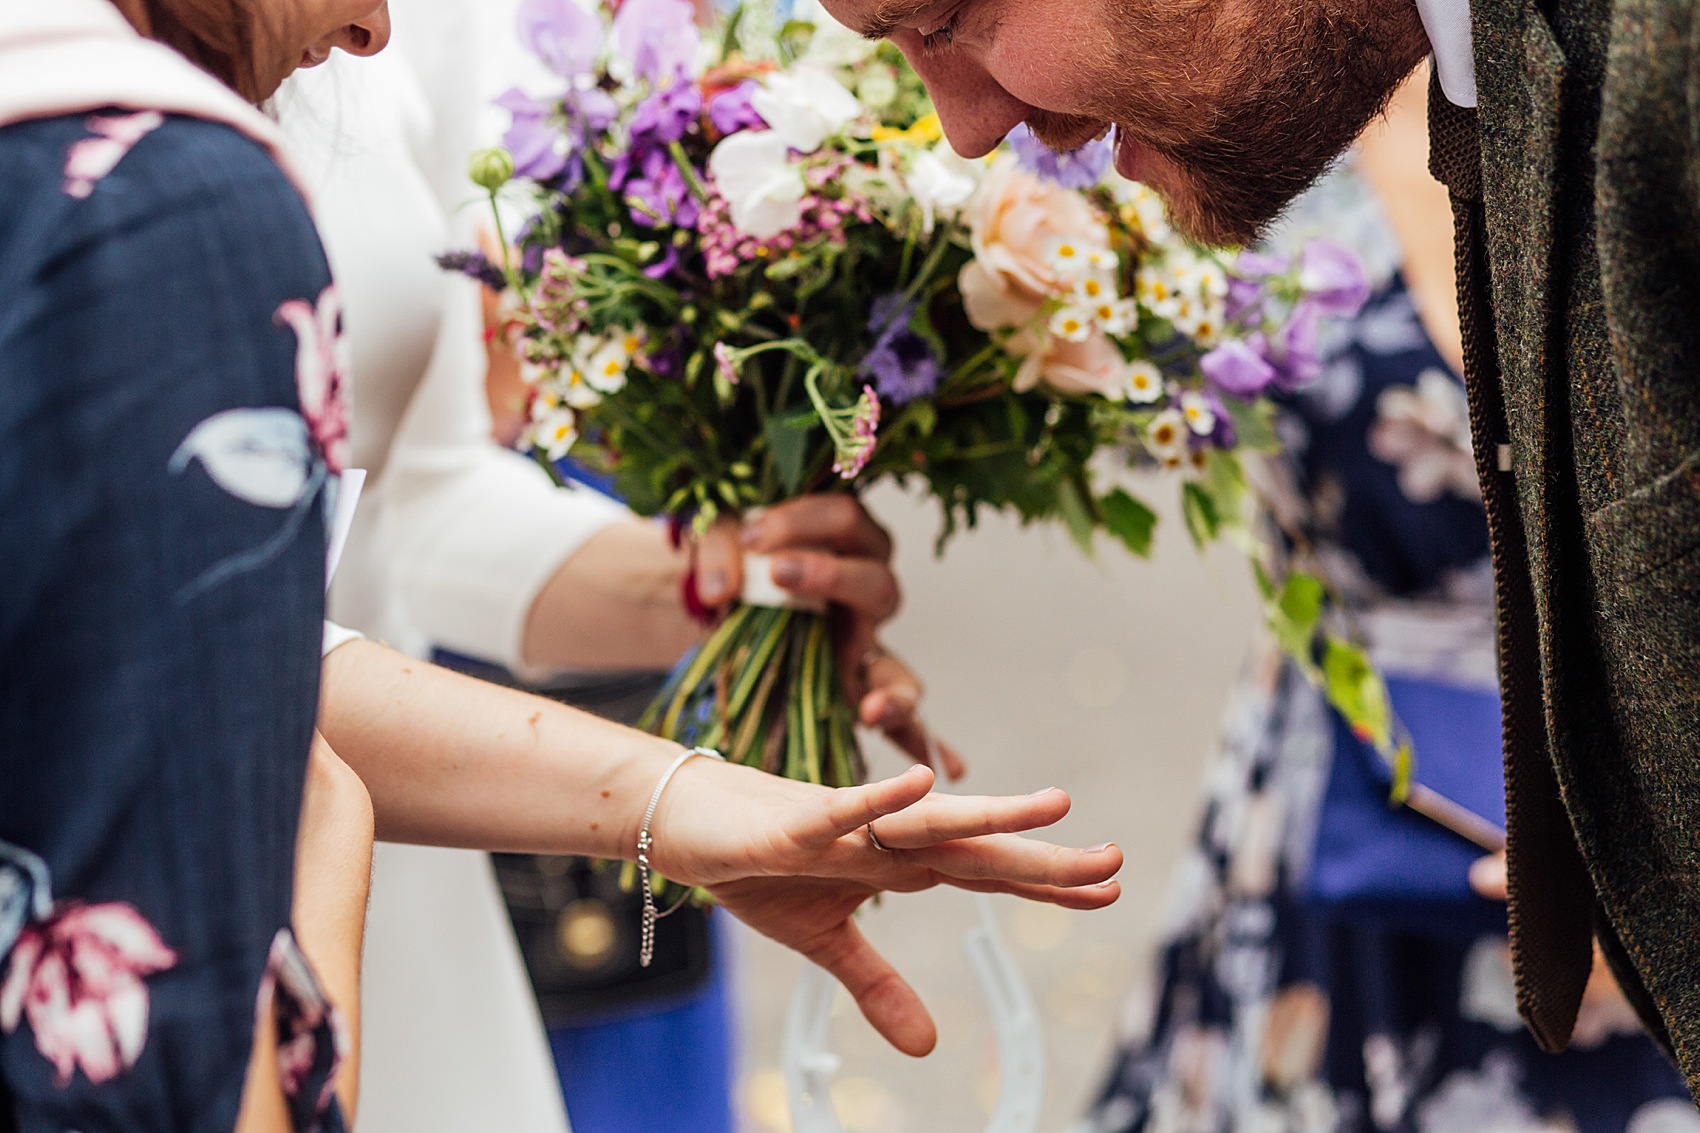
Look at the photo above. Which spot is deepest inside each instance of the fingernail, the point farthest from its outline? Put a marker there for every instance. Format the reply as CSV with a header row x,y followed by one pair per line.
x,y
1107,846
1041,791
788,571
1106,884
711,587
751,532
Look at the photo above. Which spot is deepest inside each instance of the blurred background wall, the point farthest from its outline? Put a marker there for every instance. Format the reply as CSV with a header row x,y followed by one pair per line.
x,y
1045,668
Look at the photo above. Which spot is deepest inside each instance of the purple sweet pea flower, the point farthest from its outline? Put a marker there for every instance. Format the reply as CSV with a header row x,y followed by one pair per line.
x,y
902,363
565,36
1296,347
652,179
659,37
1333,278
1239,368
537,144
731,112
1245,299
1078,169
593,110
666,116
1261,265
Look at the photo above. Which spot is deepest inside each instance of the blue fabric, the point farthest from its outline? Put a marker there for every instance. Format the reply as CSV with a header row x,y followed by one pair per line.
x,y
159,635
1378,859
667,1067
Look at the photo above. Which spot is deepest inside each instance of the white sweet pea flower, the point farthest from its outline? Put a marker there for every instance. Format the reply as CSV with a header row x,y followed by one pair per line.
x,y
941,183
606,371
556,433
754,172
805,106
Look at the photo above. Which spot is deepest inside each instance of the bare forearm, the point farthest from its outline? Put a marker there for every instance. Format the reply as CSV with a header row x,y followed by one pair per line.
x,y
333,872
615,604
454,761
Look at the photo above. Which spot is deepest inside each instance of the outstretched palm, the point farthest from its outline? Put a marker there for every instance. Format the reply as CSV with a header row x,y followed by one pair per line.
x,y
794,862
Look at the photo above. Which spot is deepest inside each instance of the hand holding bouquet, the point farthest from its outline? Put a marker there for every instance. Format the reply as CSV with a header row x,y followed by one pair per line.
x,y
743,279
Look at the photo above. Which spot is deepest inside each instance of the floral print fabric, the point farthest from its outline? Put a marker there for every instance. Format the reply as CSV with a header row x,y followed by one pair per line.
x,y
1275,1014
160,631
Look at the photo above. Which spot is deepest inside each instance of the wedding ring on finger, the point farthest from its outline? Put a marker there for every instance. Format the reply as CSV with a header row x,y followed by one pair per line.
x,y
874,840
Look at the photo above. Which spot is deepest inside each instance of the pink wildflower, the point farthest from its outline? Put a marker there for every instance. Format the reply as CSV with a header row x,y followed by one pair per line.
x,y
857,449
725,363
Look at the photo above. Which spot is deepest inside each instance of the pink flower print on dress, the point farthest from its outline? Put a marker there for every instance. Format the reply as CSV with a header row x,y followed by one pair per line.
x,y
77,977
312,1038
321,360
114,136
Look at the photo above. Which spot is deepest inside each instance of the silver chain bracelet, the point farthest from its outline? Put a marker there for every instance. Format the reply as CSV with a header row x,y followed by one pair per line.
x,y
645,842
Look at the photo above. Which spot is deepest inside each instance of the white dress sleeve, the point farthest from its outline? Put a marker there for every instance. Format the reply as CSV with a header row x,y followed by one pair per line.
x,y
457,535
337,636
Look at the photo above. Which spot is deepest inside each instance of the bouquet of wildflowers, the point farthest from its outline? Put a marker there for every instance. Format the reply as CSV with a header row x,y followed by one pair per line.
x,y
748,274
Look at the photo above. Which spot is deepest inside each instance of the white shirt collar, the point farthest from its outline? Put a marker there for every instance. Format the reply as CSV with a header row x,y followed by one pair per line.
x,y
1448,25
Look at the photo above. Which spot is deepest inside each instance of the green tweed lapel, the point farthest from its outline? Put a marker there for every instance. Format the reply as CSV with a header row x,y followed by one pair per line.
x,y
1520,70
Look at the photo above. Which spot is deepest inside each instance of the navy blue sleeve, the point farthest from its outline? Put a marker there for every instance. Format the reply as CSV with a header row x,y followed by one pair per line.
x,y
161,596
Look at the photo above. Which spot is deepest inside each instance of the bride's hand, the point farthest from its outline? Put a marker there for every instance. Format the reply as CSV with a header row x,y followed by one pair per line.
x,y
828,547
794,861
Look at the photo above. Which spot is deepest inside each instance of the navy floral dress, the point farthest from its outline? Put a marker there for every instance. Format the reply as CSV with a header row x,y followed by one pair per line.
x,y
1279,1006
168,390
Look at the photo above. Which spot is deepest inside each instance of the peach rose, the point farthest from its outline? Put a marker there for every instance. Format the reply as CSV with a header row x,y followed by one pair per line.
x,y
1092,366
1014,222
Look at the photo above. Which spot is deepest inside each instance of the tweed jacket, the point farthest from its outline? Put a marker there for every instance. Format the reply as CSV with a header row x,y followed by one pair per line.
x,y
1576,192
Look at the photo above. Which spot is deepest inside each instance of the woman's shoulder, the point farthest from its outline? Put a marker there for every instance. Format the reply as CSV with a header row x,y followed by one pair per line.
x,y
77,177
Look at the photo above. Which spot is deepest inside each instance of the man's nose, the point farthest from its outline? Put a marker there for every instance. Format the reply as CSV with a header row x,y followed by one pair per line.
x,y
975,111
368,35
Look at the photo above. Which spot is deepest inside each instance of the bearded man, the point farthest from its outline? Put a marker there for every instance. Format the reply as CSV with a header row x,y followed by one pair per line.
x,y
1575,180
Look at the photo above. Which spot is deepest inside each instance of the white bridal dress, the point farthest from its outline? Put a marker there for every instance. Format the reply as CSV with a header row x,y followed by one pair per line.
x,y
454,539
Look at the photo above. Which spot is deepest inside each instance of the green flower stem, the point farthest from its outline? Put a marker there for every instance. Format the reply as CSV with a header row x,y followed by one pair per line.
x,y
513,278
688,171
548,466
935,256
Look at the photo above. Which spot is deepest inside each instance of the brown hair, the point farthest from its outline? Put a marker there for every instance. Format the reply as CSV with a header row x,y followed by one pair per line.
x,y
223,37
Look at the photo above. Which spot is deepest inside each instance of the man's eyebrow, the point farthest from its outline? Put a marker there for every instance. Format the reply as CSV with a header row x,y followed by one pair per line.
x,y
890,15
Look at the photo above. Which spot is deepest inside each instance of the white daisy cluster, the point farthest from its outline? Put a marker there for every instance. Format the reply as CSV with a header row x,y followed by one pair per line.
x,y
1190,290
598,367
1090,300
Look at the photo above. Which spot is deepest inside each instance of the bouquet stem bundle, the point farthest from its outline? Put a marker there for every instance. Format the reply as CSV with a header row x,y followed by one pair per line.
x,y
764,691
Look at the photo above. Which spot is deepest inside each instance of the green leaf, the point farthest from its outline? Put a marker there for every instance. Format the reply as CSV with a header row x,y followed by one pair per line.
x,y
1404,772
1254,425
1076,513
1224,479
788,437
1353,687
794,39
1294,613
1199,509
1129,520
